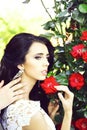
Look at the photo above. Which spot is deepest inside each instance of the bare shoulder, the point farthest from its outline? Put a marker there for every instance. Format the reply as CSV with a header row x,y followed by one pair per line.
x,y
37,122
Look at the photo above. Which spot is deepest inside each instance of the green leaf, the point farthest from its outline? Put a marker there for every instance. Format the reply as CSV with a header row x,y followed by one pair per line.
x,y
76,15
58,118
49,25
62,79
63,14
83,8
47,35
26,1
85,113
72,128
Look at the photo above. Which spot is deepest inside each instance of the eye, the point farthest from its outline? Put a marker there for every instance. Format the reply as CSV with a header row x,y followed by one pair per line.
x,y
38,57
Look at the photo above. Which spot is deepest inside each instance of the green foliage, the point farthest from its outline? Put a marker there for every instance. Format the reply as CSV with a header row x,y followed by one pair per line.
x,y
83,8
7,30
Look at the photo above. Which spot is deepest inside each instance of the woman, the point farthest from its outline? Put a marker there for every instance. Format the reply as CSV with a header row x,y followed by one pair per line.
x,y
31,57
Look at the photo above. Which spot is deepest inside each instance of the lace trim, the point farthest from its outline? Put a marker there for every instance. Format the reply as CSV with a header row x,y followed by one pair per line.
x,y
20,113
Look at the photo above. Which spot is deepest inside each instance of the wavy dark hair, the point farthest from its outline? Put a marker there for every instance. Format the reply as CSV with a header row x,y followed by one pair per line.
x,y
15,53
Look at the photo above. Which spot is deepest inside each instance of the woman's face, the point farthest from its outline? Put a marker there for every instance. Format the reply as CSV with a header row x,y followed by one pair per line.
x,y
36,62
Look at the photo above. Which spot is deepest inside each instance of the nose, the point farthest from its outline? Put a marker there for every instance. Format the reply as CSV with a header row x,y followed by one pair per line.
x,y
46,62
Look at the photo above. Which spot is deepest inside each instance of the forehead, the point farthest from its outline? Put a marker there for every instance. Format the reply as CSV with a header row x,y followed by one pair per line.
x,y
38,47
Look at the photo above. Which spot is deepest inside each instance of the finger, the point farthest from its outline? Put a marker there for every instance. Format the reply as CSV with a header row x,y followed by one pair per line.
x,y
1,83
17,97
54,111
18,86
68,94
19,92
13,82
56,108
50,104
63,88
61,97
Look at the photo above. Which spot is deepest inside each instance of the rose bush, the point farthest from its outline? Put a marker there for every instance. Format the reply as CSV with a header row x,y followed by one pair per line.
x,y
68,27
76,79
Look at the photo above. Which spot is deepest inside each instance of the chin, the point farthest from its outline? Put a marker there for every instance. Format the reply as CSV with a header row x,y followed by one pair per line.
x,y
43,78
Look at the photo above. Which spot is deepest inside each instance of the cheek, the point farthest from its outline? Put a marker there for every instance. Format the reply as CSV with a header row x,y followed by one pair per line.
x,y
31,68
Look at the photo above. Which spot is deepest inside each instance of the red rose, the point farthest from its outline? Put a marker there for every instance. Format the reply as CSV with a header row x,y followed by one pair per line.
x,y
84,56
77,51
76,80
84,36
81,124
48,85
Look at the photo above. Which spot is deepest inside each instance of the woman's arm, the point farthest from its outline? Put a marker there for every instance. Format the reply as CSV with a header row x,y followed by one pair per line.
x,y
10,92
67,102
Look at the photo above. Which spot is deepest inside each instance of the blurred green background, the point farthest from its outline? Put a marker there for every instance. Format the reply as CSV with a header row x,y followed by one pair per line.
x,y
15,17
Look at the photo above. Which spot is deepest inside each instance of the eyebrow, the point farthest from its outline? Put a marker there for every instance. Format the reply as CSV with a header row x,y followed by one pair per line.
x,y
42,54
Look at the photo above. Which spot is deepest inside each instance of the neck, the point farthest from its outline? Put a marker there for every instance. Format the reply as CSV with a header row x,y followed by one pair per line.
x,y
29,85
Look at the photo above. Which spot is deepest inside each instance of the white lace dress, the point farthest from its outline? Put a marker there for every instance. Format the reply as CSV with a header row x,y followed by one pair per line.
x,y
19,114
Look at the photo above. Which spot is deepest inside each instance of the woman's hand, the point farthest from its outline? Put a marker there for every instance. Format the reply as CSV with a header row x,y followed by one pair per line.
x,y
67,99
67,102
11,92
53,109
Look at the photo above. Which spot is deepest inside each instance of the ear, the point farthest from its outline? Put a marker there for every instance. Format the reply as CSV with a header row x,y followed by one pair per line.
x,y
20,67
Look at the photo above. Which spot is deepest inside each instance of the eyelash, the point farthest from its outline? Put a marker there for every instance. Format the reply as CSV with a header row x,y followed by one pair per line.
x,y
39,57
48,57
